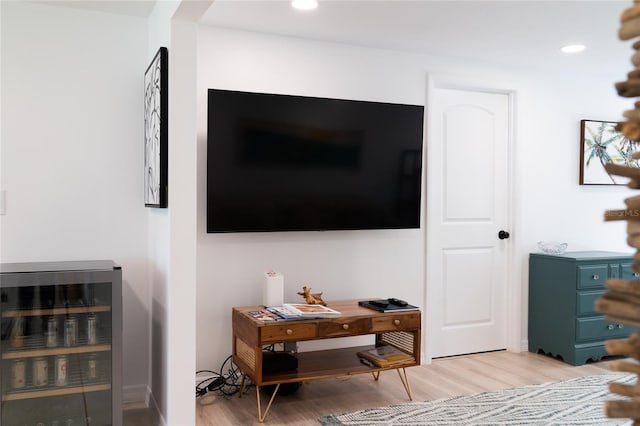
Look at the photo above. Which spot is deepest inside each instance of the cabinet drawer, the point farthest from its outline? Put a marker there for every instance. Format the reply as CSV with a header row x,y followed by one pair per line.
x,y
287,332
395,322
586,301
598,328
344,327
592,276
628,273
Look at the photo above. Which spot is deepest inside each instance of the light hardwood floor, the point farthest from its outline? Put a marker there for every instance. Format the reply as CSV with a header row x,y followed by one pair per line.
x,y
137,414
443,378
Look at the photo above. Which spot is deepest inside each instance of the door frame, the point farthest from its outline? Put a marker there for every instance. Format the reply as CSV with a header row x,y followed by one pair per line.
x,y
514,287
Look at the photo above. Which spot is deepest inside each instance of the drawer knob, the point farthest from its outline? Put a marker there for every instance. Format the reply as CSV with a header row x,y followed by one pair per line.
x,y
635,274
289,331
620,325
610,326
596,277
396,322
345,326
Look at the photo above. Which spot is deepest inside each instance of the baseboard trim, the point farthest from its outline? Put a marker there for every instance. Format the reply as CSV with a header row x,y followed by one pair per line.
x,y
156,411
524,345
140,396
135,395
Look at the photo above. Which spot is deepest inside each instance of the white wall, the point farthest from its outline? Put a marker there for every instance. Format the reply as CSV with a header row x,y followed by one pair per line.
x,y
72,150
172,236
159,30
343,264
548,202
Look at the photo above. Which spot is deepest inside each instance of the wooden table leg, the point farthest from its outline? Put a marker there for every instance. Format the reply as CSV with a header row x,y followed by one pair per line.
x,y
261,416
405,382
244,377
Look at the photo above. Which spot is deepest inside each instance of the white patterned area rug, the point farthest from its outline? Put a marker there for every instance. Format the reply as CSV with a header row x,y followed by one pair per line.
x,y
578,401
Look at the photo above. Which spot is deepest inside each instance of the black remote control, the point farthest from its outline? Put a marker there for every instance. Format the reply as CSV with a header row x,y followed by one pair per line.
x,y
397,302
379,303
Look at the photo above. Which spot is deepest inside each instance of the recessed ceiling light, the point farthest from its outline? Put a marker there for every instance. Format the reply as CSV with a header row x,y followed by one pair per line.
x,y
573,48
304,4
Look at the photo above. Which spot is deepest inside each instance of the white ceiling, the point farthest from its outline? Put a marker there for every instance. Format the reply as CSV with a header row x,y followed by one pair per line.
x,y
507,32
141,8
515,32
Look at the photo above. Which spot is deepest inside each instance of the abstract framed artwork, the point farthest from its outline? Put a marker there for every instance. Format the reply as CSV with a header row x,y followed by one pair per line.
x,y
156,96
601,143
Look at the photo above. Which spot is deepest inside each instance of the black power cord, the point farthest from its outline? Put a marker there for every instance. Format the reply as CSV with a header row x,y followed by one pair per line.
x,y
226,381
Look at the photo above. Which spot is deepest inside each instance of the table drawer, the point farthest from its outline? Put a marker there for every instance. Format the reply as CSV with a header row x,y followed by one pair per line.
x,y
344,327
288,332
592,276
599,328
395,322
586,301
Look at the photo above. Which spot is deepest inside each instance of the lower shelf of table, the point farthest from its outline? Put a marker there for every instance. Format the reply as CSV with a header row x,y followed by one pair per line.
x,y
327,364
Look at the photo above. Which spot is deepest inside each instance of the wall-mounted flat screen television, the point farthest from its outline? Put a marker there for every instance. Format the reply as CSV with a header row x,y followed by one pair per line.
x,y
296,163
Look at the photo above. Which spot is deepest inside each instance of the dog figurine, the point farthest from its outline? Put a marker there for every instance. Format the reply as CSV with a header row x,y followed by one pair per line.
x,y
311,298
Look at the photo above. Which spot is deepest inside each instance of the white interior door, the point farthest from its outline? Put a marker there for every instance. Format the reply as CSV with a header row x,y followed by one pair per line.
x,y
467,207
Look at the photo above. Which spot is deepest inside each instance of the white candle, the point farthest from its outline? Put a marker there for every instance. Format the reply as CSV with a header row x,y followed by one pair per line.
x,y
273,290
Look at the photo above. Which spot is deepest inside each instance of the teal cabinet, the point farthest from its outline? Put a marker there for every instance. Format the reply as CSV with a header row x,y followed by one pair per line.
x,y
562,292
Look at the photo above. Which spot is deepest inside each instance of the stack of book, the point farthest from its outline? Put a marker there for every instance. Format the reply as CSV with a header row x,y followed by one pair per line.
x,y
264,315
302,311
385,356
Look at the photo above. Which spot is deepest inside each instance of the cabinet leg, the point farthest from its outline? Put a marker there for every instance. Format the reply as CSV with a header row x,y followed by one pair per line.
x,y
376,375
405,382
261,416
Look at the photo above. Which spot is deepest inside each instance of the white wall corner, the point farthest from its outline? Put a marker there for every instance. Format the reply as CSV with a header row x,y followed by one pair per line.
x,y
191,10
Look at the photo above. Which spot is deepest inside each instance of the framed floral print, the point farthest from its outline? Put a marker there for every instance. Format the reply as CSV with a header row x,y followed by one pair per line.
x,y
601,143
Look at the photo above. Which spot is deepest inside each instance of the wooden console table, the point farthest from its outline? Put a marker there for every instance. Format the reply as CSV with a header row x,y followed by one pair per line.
x,y
250,336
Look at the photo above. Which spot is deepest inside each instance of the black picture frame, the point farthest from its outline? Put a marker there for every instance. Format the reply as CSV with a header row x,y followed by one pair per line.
x,y
156,128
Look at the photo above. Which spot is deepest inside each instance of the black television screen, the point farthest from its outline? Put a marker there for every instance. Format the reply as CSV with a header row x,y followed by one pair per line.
x,y
295,163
